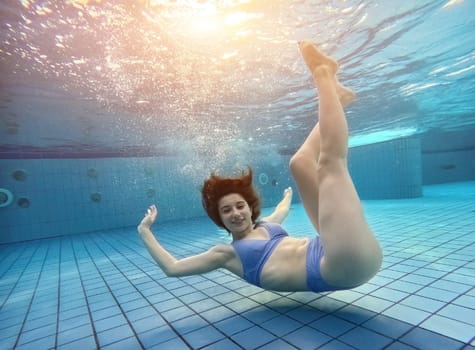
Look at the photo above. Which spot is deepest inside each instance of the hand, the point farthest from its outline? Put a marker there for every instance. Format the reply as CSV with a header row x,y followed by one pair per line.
x,y
149,217
288,192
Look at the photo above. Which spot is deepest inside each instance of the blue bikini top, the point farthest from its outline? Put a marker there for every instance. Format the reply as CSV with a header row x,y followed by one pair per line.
x,y
255,252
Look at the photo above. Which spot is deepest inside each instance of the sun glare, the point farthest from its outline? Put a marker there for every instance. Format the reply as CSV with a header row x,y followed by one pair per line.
x,y
197,20
451,3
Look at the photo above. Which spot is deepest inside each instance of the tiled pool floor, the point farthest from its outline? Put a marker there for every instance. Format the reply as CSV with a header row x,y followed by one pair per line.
x,y
102,290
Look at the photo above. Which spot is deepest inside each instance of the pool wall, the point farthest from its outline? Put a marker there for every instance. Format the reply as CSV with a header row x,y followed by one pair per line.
x,y
54,197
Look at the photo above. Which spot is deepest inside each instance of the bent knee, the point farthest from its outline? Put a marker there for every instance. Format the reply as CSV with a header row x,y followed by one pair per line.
x,y
300,162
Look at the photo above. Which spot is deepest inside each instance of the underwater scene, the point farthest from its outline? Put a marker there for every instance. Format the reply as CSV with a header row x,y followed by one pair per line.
x,y
110,108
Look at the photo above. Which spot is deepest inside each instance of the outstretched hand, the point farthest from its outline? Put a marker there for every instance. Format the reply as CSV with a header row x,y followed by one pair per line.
x,y
149,217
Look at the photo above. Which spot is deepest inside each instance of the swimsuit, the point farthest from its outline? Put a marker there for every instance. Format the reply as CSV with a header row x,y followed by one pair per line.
x,y
254,253
315,281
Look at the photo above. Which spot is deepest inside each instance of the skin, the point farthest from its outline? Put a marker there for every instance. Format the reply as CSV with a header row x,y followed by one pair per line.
x,y
352,253
236,215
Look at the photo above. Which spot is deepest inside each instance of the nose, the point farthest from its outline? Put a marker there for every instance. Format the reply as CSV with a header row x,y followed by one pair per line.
x,y
235,212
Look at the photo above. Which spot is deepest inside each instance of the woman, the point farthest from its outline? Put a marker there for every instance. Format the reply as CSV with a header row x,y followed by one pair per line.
x,y
346,254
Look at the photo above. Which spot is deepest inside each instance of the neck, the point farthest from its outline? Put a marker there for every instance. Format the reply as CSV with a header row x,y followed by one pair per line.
x,y
237,235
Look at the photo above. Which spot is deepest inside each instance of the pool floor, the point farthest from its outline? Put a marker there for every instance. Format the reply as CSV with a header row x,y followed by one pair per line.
x,y
102,290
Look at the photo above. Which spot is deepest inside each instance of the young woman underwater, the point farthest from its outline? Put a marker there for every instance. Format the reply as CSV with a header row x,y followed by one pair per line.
x,y
344,254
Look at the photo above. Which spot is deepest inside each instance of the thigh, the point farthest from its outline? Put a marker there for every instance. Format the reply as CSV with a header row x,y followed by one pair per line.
x,y
351,250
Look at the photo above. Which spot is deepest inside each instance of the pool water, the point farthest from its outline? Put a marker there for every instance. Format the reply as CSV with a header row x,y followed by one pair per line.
x,y
103,290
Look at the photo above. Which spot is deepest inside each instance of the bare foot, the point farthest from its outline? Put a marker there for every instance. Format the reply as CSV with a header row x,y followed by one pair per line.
x,y
317,61
346,95
315,58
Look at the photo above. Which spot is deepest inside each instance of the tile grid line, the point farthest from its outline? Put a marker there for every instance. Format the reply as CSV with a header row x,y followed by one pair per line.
x,y
71,241
25,266
170,291
406,274
94,240
13,260
20,331
110,290
220,303
435,279
355,324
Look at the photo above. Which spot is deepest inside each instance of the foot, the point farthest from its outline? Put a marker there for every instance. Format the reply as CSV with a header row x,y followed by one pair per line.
x,y
314,58
319,63
346,95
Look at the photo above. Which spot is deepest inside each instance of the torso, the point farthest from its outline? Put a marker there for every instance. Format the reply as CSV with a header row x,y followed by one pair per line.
x,y
285,269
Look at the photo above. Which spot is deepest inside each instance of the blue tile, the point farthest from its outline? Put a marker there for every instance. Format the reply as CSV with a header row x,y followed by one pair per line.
x,y
31,324
114,335
260,314
37,333
79,344
459,313
281,325
189,324
400,346
278,344
109,323
46,342
451,286
354,314
217,314
414,258
426,304
307,338
138,314
203,337
106,313
175,344
204,305
73,323
305,314
331,325
233,325
423,339
336,345
126,344
327,305
406,313
449,327
253,337
388,326
362,338
437,294
156,336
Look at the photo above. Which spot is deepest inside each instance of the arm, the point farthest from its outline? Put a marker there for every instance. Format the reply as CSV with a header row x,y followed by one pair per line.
x,y
282,209
213,259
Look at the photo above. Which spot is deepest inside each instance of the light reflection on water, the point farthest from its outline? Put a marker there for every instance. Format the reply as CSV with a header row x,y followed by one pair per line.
x,y
229,72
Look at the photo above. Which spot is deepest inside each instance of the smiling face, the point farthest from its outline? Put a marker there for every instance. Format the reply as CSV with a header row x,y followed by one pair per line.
x,y
235,214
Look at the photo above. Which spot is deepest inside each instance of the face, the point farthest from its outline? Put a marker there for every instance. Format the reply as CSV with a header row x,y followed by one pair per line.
x,y
235,213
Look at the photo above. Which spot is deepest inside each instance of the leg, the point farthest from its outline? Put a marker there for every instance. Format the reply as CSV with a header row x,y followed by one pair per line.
x,y
352,254
304,164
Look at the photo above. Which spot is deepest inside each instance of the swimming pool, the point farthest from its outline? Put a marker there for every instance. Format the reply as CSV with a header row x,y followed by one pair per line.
x,y
103,290
106,108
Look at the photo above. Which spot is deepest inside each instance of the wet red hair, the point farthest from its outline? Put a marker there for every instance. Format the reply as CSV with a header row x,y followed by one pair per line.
x,y
216,187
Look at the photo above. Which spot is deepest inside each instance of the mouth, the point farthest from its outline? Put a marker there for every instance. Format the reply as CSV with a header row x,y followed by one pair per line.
x,y
237,222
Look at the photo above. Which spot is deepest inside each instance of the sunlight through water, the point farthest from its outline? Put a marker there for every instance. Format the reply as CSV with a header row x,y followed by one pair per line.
x,y
193,74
